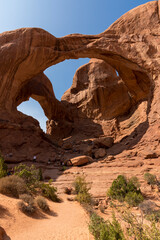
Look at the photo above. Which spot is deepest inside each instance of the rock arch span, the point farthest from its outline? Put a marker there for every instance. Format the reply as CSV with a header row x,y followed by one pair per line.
x,y
126,45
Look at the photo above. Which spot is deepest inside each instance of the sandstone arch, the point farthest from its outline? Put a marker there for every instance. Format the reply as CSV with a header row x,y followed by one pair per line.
x,y
120,45
40,89
126,45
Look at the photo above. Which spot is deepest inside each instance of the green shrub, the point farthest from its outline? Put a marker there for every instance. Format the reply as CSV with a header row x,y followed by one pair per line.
x,y
126,190
30,174
134,198
118,189
82,190
80,185
42,203
139,231
112,230
105,230
83,197
12,186
154,216
150,179
49,191
40,174
3,167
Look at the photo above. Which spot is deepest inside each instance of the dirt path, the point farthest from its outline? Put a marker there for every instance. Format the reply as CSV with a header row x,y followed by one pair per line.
x,y
68,221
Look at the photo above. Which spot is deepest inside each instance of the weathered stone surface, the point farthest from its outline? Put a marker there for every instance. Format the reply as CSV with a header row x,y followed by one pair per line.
x,y
98,92
99,102
101,152
3,234
80,160
104,141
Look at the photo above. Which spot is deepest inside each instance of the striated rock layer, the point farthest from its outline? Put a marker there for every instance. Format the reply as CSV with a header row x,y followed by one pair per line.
x,y
116,95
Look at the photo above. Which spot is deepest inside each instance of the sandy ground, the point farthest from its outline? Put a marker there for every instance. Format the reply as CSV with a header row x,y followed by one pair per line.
x,y
67,221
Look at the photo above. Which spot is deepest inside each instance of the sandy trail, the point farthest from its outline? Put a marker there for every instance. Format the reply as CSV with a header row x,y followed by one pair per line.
x,y
68,221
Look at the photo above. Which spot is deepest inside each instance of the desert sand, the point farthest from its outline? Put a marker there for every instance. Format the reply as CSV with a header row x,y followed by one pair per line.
x,y
67,221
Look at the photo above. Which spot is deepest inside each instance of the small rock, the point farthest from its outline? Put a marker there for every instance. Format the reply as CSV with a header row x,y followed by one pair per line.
x,y
70,199
110,158
104,141
151,155
101,152
67,146
68,190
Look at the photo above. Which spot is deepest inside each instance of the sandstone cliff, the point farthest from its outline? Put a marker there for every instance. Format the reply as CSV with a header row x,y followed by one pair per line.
x,y
116,95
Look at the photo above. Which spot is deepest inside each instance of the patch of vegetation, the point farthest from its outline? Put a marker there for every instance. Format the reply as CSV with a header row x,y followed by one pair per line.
x,y
105,230
12,186
49,191
32,177
150,179
134,228
138,230
154,216
27,205
126,190
3,167
30,174
82,190
134,199
42,203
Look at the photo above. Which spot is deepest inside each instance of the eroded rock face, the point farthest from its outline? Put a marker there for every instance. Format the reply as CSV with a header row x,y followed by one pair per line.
x,y
99,102
98,92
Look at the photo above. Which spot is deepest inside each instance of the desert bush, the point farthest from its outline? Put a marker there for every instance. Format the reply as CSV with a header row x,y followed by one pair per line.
x,y
27,198
147,207
26,208
3,167
105,230
30,174
40,174
118,189
83,197
80,185
12,186
133,198
136,229
42,203
82,190
150,179
27,204
126,190
154,216
49,191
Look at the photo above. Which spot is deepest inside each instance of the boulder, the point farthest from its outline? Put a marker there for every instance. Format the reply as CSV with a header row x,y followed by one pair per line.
x,y
80,160
99,153
104,141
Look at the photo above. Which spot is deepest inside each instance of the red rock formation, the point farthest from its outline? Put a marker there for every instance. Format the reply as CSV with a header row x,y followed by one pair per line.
x,y
98,92
126,46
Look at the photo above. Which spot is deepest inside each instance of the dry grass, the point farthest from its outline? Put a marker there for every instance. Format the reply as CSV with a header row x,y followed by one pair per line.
x,y
27,205
42,203
12,186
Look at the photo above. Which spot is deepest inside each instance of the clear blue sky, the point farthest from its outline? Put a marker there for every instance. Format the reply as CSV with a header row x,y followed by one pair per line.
x,y
61,17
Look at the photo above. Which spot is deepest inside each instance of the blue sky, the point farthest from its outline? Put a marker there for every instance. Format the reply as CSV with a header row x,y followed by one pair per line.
x,y
61,17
